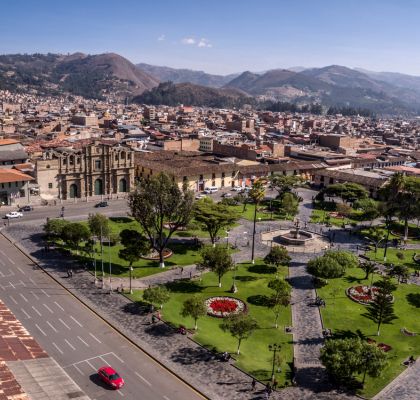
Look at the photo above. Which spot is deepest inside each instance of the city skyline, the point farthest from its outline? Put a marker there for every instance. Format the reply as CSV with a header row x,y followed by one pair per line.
x,y
375,35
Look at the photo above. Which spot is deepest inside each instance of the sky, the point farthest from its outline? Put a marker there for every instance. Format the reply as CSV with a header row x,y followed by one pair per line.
x,y
222,37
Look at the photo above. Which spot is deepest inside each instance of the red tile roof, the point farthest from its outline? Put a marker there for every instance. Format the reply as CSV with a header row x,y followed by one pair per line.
x,y
13,175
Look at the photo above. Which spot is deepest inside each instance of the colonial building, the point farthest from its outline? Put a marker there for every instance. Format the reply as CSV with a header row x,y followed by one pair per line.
x,y
96,169
14,187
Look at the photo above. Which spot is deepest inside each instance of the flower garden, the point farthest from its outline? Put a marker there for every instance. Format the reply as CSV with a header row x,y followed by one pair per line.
x,y
223,306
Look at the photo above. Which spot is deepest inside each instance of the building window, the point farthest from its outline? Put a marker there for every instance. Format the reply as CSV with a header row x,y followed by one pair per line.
x,y
116,156
213,176
185,178
16,184
78,160
71,160
201,177
97,164
10,184
223,174
50,186
233,174
64,161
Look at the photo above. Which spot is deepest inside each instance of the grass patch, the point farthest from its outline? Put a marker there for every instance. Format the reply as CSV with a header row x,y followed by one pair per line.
x,y
344,317
391,257
255,358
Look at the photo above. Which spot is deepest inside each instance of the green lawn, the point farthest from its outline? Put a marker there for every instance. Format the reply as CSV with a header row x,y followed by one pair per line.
x,y
391,257
252,281
263,216
344,317
320,217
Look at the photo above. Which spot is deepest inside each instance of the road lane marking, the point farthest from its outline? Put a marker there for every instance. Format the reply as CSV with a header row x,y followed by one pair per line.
x,y
20,270
87,362
82,341
2,263
104,361
32,281
61,351
58,305
41,330
48,308
11,284
75,320
64,324
22,283
91,334
36,311
46,294
120,393
166,397
118,358
70,345
27,315
36,296
23,297
143,379
13,299
88,359
52,327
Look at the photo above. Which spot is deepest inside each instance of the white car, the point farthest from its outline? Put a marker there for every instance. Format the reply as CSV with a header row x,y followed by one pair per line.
x,y
225,195
210,190
14,214
237,188
200,196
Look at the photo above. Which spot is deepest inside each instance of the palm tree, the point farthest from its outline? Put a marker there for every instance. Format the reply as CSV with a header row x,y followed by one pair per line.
x,y
256,194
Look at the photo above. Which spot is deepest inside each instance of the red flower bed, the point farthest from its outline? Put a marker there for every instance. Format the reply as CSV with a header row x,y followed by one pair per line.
x,y
223,306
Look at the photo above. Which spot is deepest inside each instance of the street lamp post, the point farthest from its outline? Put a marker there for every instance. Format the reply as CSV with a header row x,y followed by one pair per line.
x,y
110,268
94,261
131,290
234,289
274,348
102,261
227,239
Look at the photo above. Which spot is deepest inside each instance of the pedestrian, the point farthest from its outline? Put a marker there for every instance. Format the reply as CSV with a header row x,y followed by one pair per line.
x,y
190,274
253,384
153,319
275,383
182,270
68,273
71,273
159,316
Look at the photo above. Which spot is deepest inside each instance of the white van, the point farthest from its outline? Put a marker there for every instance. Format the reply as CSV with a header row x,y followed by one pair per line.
x,y
210,189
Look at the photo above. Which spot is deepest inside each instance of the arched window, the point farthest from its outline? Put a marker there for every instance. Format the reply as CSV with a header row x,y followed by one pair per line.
x,y
99,187
122,155
122,185
73,191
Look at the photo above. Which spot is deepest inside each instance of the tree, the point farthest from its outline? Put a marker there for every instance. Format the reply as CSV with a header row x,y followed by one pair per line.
x,y
289,204
216,259
348,192
369,208
158,295
284,183
343,358
214,216
159,202
400,272
54,228
74,233
375,236
368,268
332,264
256,194
277,256
135,246
281,296
99,226
386,285
240,326
194,307
381,309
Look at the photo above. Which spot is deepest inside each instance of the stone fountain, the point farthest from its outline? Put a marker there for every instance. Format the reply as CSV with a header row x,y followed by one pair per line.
x,y
295,237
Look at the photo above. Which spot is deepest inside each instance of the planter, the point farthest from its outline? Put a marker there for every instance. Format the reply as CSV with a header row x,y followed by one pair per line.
x,y
363,294
155,255
224,306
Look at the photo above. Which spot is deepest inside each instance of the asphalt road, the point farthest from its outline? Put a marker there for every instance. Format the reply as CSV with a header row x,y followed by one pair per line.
x,y
76,338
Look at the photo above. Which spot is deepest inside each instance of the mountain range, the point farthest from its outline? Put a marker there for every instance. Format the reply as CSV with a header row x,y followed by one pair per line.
x,y
114,77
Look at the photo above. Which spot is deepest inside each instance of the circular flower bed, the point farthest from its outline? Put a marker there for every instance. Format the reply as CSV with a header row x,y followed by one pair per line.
x,y
362,294
154,255
224,306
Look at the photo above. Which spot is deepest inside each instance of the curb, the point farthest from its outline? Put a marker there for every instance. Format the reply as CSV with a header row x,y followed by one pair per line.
x,y
126,337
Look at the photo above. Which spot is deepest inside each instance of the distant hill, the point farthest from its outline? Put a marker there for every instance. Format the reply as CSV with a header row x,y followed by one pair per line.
x,y
92,76
172,94
165,74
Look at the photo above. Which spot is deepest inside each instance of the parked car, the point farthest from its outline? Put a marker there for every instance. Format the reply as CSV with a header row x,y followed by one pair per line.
x,y
14,214
101,204
111,377
26,208
225,195
237,188
200,196
210,190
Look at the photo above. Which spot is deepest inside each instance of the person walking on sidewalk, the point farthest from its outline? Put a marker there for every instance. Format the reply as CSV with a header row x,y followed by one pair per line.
x,y
253,384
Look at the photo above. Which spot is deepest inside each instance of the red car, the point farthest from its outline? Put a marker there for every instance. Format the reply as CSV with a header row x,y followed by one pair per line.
x,y
111,377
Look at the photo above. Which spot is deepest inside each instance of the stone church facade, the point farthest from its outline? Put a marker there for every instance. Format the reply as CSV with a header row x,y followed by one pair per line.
x,y
95,170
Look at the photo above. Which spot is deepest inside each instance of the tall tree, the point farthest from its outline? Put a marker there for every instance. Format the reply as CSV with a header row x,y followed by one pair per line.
x,y
368,268
278,256
256,194
54,228
289,204
159,202
343,358
214,216
99,226
194,307
400,272
216,259
74,233
348,192
240,326
284,183
281,296
381,310
158,295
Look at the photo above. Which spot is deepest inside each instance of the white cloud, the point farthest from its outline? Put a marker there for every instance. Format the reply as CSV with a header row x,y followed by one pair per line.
x,y
204,43
188,41
161,38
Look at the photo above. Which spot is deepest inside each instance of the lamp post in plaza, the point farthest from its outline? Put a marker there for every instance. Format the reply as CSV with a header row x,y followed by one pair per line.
x,y
274,348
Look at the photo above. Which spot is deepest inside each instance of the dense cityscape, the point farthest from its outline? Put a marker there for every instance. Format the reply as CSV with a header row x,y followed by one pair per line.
x,y
169,233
